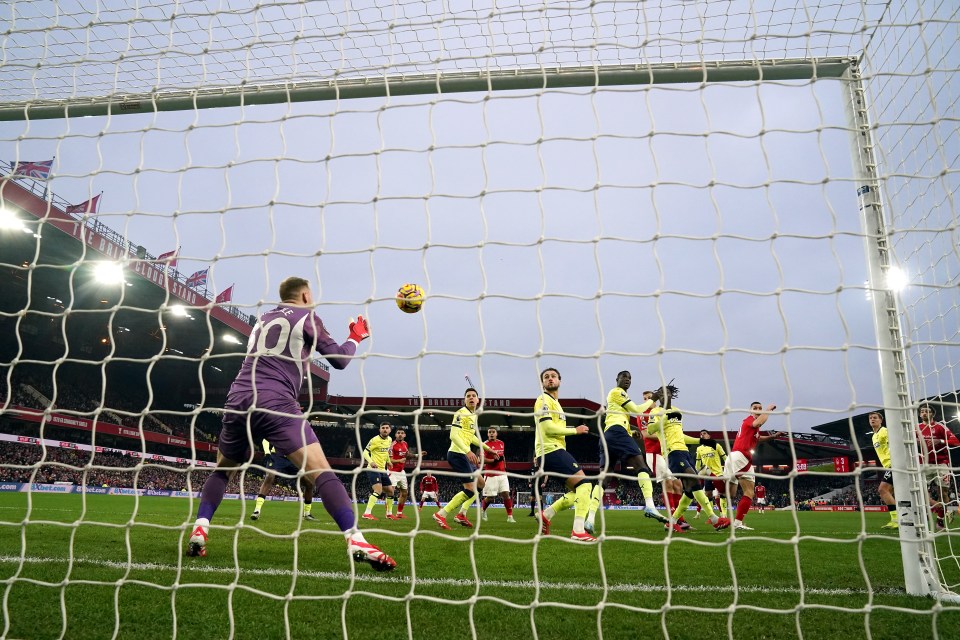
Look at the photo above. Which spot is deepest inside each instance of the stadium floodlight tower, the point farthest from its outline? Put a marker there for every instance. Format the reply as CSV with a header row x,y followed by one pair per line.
x,y
893,67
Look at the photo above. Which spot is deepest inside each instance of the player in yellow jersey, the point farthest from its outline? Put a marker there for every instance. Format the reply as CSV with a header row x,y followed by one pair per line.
x,y
682,465
551,456
881,445
618,445
276,463
709,464
464,435
377,455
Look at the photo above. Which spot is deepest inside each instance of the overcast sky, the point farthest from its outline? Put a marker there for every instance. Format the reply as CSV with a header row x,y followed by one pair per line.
x,y
707,234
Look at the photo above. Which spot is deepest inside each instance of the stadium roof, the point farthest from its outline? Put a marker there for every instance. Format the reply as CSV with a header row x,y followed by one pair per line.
x,y
149,327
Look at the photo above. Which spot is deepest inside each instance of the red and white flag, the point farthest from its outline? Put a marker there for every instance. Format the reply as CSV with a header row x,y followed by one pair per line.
x,y
36,170
225,296
170,257
90,206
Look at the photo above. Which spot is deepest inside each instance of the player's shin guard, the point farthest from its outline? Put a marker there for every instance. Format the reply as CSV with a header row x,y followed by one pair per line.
x,y
212,494
258,505
646,488
372,501
682,505
454,505
508,505
582,505
596,497
469,501
563,503
743,507
704,503
389,505
333,495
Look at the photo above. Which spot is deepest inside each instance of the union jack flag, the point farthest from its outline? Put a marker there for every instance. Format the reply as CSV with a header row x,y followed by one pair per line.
x,y
38,170
199,279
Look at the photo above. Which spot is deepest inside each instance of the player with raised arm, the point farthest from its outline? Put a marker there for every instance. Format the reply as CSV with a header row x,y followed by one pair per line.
x,y
495,475
262,405
618,444
653,445
275,463
399,454
739,463
681,464
463,435
377,456
881,444
709,463
551,456
429,490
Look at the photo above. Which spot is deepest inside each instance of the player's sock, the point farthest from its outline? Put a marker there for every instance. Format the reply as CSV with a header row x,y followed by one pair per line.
x,y
400,506
723,506
704,503
581,506
212,494
673,499
596,497
743,507
893,513
335,500
258,505
466,504
454,505
682,505
485,504
389,505
508,505
372,500
307,507
646,488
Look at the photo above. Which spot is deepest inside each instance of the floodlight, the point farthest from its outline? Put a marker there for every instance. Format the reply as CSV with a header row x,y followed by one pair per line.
x,y
108,272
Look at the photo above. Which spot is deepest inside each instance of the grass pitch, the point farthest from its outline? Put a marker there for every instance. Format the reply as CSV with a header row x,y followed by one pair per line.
x,y
107,566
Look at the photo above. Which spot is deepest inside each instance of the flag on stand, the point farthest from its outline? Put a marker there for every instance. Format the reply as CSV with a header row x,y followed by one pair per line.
x,y
199,279
170,257
90,206
37,170
225,296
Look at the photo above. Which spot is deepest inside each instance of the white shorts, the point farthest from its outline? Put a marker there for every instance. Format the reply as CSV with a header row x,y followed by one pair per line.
x,y
429,495
495,485
736,462
399,479
762,502
658,465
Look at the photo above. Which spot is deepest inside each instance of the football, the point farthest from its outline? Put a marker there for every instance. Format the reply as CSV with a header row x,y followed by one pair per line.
x,y
410,298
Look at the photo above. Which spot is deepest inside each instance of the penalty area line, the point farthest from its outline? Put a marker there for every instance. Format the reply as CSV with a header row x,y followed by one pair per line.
x,y
193,567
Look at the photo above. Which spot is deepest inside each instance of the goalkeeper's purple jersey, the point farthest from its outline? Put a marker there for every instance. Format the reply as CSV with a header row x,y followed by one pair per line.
x,y
278,353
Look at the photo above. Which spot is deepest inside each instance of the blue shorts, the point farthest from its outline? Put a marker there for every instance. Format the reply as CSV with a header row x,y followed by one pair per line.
x,y
620,446
379,477
276,463
560,462
681,462
460,463
287,433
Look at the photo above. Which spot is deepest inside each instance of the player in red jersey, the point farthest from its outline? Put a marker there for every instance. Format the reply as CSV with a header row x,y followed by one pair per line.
x,y
739,464
934,441
399,453
495,475
672,487
760,493
428,490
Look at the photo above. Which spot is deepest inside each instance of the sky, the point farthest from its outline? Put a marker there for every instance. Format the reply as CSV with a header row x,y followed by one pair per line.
x,y
708,234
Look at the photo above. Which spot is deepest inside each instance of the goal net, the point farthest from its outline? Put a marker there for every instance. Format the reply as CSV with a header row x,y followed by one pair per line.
x,y
754,199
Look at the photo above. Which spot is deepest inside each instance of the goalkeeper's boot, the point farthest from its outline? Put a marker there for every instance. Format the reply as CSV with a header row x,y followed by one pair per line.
x,y
255,515
656,515
721,523
582,537
462,519
366,552
544,525
440,520
197,545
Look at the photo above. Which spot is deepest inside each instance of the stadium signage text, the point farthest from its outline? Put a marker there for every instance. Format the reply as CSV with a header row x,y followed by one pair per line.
x,y
455,402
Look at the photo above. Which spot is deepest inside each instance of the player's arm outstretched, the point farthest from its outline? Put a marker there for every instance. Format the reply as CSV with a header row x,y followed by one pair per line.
x,y
338,355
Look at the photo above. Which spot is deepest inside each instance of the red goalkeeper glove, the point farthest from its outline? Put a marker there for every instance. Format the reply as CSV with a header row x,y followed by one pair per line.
x,y
359,330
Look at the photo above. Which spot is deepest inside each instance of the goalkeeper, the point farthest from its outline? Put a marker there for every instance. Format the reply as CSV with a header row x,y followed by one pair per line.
x,y
618,444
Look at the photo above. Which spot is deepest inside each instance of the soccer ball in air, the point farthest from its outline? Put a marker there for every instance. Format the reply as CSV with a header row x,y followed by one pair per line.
x,y
410,298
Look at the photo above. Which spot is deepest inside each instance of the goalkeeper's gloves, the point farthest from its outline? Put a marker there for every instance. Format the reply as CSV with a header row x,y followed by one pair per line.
x,y
359,330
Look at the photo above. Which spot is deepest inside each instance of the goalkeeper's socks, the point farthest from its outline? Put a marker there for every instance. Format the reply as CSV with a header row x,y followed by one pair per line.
x,y
335,500
212,494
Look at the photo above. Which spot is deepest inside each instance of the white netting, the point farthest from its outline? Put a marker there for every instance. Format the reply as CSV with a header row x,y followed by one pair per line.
x,y
707,232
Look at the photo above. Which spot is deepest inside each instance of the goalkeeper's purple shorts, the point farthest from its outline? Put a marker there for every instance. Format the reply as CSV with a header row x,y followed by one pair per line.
x,y
277,421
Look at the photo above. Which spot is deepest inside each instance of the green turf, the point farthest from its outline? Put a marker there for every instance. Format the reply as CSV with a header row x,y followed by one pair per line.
x,y
114,565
